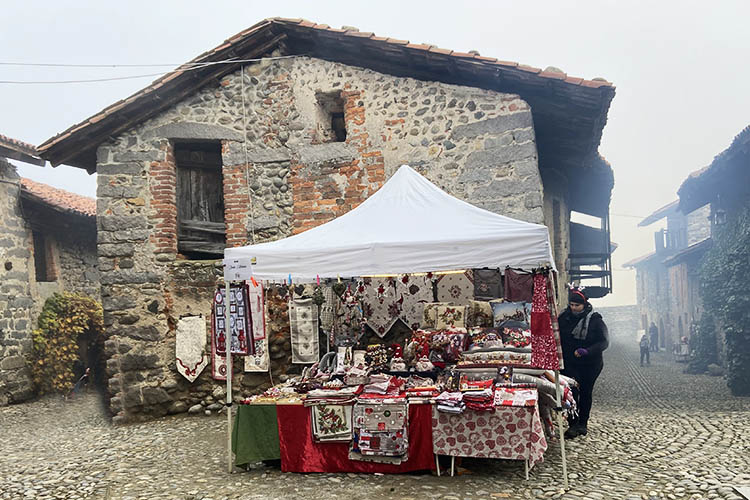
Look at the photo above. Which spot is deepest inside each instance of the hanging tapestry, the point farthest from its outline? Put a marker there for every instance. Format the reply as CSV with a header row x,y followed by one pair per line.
x,y
488,284
327,309
381,306
456,288
348,326
303,323
414,292
190,347
218,361
331,422
258,361
238,320
543,347
479,313
518,286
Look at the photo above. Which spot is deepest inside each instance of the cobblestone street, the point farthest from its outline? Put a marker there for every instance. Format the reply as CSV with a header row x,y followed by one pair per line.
x,y
655,433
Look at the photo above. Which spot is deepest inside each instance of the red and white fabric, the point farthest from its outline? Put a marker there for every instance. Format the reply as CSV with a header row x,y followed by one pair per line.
x,y
544,348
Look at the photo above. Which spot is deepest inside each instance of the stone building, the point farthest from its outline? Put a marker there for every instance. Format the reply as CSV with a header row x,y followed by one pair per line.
x,y
666,280
304,124
47,244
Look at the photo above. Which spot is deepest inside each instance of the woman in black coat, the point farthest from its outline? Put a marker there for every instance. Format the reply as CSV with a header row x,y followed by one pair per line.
x,y
584,337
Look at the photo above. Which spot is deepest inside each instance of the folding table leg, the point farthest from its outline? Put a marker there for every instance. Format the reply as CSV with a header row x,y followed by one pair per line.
x,y
437,464
453,462
526,468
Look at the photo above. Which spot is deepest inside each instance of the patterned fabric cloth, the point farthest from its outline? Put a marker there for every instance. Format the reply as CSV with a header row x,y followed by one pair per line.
x,y
413,292
479,313
258,361
543,346
303,323
513,433
518,286
488,284
218,361
512,396
238,320
449,317
331,422
513,311
552,305
429,315
456,288
190,347
327,308
381,304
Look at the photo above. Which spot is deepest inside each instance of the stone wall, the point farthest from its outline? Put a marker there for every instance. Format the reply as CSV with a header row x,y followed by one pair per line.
x,y
283,172
15,294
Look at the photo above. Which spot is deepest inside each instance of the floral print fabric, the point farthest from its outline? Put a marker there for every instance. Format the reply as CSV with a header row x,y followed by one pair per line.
x,y
331,422
513,433
381,305
414,292
449,317
456,288
543,344
303,322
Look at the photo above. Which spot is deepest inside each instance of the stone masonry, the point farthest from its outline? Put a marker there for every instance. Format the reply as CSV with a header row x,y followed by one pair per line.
x,y
15,294
283,172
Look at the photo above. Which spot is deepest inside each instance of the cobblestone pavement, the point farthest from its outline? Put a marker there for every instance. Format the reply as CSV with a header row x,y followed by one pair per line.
x,y
654,433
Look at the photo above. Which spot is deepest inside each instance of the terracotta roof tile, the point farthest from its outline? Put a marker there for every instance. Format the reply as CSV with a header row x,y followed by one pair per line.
x,y
530,69
20,146
512,64
438,50
553,74
61,199
464,54
419,46
396,41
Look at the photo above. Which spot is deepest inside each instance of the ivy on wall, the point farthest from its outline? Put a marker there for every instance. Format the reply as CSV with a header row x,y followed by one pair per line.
x,y
66,319
725,290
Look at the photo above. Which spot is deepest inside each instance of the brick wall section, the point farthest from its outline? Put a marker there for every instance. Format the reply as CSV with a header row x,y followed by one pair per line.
x,y
163,186
323,192
236,204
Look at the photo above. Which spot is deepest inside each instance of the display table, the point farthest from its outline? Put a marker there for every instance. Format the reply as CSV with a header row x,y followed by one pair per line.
x,y
273,431
509,432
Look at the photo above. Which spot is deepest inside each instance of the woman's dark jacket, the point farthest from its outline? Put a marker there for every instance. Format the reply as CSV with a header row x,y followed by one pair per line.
x,y
596,341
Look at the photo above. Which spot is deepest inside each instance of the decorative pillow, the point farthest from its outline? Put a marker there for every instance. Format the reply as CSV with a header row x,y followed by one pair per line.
x,y
429,316
515,336
516,311
479,313
450,317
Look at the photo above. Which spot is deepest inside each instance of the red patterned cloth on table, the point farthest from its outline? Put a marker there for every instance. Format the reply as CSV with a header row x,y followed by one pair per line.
x,y
513,396
518,286
510,432
552,305
299,453
544,352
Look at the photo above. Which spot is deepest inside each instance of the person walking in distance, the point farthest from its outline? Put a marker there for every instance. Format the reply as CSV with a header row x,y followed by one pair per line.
x,y
584,337
645,348
653,332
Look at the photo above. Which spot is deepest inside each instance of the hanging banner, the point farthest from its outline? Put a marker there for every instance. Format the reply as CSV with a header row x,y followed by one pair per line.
x,y
239,324
258,361
190,347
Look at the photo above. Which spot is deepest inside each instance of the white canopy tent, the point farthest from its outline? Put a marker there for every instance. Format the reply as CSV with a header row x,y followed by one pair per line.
x,y
408,226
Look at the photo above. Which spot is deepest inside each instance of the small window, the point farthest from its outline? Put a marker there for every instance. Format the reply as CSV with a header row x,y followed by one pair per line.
x,y
43,262
201,232
331,122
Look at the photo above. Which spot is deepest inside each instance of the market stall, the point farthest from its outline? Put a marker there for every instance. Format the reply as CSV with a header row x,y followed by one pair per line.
x,y
379,266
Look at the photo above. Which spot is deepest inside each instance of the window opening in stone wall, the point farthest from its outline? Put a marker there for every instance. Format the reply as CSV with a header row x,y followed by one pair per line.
x,y
201,232
331,123
43,262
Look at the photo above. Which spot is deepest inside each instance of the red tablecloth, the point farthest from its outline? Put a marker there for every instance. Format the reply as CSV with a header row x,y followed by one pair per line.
x,y
299,453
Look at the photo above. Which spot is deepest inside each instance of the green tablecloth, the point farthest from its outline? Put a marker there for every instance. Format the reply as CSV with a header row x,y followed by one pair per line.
x,y
255,435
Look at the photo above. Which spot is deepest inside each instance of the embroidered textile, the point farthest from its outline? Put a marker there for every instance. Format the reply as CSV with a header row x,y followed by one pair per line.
x,y
488,284
379,416
190,347
513,396
303,322
331,422
381,444
381,305
510,311
480,358
479,313
414,292
327,308
544,348
456,288
258,361
518,286
238,320
513,433
429,315
449,317
218,361
552,305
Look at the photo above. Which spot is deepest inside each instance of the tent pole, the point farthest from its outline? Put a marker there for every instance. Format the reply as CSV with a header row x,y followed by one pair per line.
x,y
229,399
558,399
